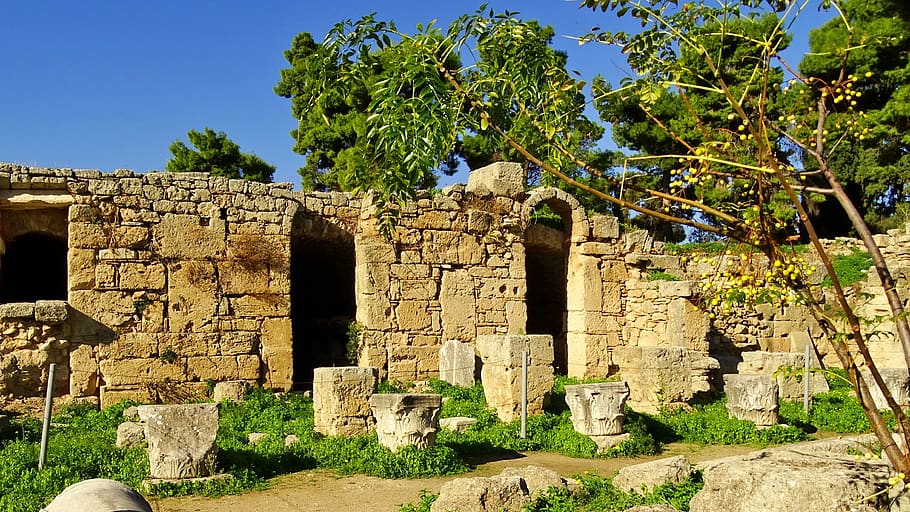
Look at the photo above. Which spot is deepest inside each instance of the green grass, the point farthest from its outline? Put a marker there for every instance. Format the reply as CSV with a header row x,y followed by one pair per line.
x,y
849,268
84,447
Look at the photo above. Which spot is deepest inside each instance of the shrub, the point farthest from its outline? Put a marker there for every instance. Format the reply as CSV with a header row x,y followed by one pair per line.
x,y
849,268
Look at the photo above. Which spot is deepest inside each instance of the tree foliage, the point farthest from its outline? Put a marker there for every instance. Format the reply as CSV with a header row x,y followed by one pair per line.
x,y
872,159
215,153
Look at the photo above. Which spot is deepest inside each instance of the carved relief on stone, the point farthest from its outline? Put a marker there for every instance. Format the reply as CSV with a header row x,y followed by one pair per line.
x,y
597,411
753,398
406,419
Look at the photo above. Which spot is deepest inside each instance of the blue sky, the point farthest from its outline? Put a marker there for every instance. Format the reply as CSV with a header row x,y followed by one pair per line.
x,y
110,85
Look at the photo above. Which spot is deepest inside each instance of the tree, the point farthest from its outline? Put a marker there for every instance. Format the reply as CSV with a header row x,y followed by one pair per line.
x,y
215,153
872,159
333,95
414,132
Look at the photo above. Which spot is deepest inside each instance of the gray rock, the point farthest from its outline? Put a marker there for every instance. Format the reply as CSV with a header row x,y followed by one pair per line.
x,y
181,439
537,479
254,437
498,179
652,508
98,495
479,494
130,435
234,390
651,474
788,481
457,423
50,311
17,311
897,380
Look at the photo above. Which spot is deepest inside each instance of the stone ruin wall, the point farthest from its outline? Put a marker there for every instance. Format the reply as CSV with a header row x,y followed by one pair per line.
x,y
176,281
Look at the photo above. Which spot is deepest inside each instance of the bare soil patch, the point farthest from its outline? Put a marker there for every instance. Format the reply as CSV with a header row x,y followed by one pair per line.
x,y
325,491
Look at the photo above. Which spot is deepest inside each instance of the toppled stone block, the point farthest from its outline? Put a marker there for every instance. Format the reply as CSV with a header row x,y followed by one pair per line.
x,y
790,387
457,363
752,398
457,423
404,419
648,475
130,434
181,439
897,380
233,390
98,495
341,400
501,372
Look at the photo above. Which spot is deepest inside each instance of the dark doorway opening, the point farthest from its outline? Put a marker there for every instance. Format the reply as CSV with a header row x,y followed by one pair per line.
x,y
323,304
33,268
546,261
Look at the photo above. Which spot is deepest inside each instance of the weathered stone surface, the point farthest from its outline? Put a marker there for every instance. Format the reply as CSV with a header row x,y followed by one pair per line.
x,y
130,434
181,439
480,494
652,508
98,495
234,391
537,479
458,302
597,409
457,363
648,475
662,376
406,419
277,353
50,311
185,236
752,398
497,179
790,387
897,380
341,400
501,372
787,480
17,311
457,423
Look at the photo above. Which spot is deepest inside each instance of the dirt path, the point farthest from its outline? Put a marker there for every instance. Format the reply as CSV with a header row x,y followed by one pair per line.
x,y
324,491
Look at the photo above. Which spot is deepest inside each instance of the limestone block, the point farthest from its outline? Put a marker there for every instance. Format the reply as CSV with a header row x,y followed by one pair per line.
x,y
457,423
648,475
451,247
501,372
753,398
407,363
98,495
537,480
687,325
341,397
896,380
190,237
661,376
423,289
192,296
51,311
406,419
234,390
218,368
247,342
789,387
238,277
130,434
141,276
181,439
85,235
482,494
17,311
503,289
603,226
83,371
133,237
130,345
597,409
373,249
412,315
479,221
459,310
131,372
497,179
105,276
81,268
266,304
457,363
113,395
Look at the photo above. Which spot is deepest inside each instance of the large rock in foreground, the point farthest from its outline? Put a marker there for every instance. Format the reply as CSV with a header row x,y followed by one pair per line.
x,y
801,478
509,491
98,495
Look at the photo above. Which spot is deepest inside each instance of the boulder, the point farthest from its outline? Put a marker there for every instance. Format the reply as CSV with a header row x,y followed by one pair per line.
x,y
181,439
130,434
482,494
537,479
648,475
98,495
789,480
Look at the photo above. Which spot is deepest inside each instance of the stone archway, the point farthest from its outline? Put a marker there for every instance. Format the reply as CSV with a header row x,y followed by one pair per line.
x,y
548,252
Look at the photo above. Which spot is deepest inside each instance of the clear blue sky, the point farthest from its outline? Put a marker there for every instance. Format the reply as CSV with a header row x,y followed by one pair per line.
x,y
111,84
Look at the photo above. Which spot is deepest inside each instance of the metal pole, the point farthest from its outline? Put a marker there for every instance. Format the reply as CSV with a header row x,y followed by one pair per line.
x,y
806,380
48,405
524,392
